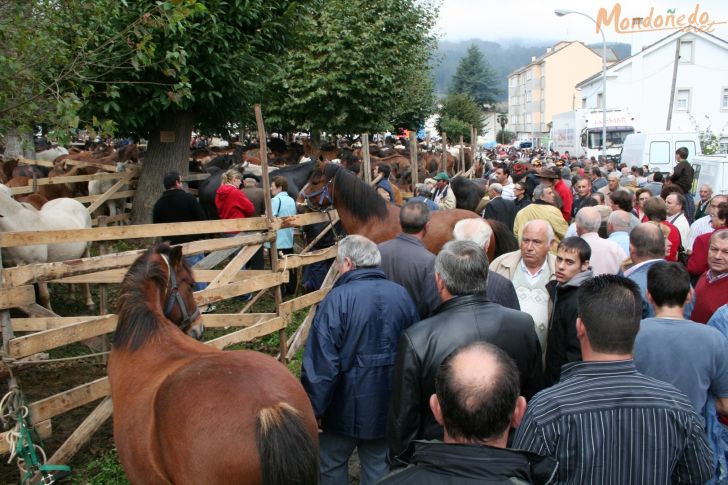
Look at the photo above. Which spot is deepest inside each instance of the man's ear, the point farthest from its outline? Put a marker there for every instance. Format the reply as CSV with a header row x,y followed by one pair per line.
x,y
580,328
690,296
648,296
439,283
436,410
518,412
585,265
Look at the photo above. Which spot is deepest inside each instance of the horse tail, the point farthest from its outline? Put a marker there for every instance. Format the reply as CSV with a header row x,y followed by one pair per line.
x,y
288,453
505,241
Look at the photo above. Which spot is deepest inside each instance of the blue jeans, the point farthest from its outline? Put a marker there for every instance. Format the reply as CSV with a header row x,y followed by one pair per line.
x,y
335,451
192,259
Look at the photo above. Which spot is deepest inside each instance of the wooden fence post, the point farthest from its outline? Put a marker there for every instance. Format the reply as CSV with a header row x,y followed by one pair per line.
x,y
414,163
443,158
462,154
365,156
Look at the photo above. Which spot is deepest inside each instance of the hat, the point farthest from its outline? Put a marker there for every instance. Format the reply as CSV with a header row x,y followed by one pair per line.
x,y
548,173
442,176
170,179
536,162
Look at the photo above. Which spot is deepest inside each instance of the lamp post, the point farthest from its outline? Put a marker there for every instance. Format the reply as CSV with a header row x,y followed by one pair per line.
x,y
502,120
560,12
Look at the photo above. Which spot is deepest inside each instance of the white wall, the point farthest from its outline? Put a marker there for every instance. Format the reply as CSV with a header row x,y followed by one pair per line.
x,y
643,83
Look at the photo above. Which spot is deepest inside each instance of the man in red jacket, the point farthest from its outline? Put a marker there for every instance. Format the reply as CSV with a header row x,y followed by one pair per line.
x,y
549,177
711,292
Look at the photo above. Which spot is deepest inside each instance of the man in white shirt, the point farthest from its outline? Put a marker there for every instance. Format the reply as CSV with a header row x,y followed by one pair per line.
x,y
702,226
676,216
607,256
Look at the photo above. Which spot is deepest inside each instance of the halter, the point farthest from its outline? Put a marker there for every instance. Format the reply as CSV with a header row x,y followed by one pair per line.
x,y
173,296
325,196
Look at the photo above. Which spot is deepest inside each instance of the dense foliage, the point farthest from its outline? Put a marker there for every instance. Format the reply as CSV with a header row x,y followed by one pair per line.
x,y
475,78
458,113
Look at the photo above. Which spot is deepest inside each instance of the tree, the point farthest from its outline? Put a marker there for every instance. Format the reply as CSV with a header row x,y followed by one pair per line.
x,y
205,73
358,66
457,113
475,78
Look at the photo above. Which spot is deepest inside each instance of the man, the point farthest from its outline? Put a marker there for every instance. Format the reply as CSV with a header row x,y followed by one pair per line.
x,y
618,228
543,208
466,315
530,269
656,211
499,289
406,261
381,181
549,177
705,193
597,178
348,361
502,175
572,270
703,226
443,196
623,200
646,247
583,188
283,205
499,208
177,205
422,194
476,402
711,292
606,256
605,422
703,371
676,216
612,184
655,186
683,173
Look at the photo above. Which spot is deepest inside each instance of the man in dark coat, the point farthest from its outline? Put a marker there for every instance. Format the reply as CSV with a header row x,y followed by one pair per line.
x,y
466,315
572,269
406,261
349,358
477,402
498,208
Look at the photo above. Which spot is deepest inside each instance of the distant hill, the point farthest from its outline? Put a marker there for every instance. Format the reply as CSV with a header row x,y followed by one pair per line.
x,y
502,58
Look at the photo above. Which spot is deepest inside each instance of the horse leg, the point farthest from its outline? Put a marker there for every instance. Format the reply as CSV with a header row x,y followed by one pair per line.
x,y
43,295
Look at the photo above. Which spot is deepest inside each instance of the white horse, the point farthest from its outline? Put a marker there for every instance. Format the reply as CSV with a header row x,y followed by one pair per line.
x,y
57,214
99,187
51,154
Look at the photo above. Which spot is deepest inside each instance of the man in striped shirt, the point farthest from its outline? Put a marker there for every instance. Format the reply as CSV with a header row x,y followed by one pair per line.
x,y
605,422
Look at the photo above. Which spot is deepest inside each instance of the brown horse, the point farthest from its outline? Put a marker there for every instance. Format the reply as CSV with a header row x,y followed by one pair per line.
x,y
363,211
188,413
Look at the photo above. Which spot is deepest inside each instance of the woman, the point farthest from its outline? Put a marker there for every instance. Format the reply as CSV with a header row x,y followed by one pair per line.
x,y
641,196
230,201
522,199
283,205
698,262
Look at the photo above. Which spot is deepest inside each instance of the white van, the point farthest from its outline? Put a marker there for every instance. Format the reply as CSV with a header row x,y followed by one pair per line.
x,y
657,150
711,170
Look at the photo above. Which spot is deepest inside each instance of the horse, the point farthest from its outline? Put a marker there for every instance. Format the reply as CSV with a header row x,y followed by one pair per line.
x,y
468,194
61,214
189,413
362,211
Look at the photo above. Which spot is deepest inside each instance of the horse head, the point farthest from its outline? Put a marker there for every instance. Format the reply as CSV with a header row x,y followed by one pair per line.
x,y
317,194
159,281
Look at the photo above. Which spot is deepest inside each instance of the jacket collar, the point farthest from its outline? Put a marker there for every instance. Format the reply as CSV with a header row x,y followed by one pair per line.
x,y
360,274
483,462
597,369
457,301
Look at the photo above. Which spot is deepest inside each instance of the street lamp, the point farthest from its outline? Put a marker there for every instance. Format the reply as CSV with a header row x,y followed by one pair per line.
x,y
502,121
560,12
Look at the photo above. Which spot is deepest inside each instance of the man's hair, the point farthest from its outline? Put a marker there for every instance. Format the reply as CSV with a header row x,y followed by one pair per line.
x,y
683,153
575,244
423,190
610,327
474,229
648,241
280,182
596,171
580,178
479,407
619,220
721,234
589,220
722,213
170,179
679,197
550,235
362,252
504,167
622,199
496,187
668,283
463,267
413,217
600,195
655,209
657,177
384,169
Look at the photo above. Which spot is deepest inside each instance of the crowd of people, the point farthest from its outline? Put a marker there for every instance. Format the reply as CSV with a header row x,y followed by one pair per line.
x,y
595,353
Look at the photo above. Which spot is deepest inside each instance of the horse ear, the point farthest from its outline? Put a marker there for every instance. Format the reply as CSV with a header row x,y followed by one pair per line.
x,y
175,255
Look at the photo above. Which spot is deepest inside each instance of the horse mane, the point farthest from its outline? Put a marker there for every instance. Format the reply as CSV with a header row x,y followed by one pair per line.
x,y
136,321
359,198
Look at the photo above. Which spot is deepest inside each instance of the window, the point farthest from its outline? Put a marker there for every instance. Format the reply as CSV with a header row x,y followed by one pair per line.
x,y
723,145
528,75
583,102
528,117
724,99
600,100
660,153
514,100
690,145
686,51
528,96
682,100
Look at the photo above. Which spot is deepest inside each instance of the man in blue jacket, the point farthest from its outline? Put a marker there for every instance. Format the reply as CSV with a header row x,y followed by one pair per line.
x,y
349,360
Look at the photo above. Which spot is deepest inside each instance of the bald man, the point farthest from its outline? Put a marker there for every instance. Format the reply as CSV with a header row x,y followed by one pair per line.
x,y
607,256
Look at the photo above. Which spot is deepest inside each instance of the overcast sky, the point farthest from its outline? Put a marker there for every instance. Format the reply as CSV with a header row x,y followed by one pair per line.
x,y
497,20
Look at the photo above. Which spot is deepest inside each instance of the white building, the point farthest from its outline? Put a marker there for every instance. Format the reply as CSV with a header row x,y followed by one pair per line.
x,y
643,82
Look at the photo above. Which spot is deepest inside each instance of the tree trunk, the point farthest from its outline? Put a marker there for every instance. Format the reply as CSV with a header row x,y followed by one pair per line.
x,y
169,149
19,144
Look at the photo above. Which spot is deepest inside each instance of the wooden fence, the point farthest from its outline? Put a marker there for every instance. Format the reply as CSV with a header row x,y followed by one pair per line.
x,y
44,330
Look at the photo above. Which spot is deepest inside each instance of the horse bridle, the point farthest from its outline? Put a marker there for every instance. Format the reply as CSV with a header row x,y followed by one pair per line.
x,y
325,196
174,296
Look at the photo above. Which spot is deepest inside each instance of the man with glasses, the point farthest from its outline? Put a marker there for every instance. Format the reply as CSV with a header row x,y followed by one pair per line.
x,y
702,226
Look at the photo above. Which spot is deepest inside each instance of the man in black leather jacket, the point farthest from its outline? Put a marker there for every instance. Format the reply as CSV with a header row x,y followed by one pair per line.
x,y
466,315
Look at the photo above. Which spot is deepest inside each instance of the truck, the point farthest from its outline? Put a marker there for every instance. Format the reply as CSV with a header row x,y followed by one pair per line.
x,y
656,150
711,170
580,132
